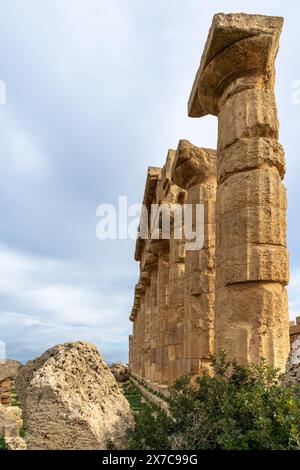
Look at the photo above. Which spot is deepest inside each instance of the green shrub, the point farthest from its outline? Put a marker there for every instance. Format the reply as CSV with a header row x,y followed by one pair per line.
x,y
236,408
136,401
3,445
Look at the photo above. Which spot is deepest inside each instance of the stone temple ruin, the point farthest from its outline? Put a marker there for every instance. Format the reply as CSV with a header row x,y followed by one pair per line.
x,y
230,294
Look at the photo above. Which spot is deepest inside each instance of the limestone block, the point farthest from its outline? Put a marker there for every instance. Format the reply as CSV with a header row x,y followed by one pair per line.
x,y
200,283
246,263
253,225
177,271
177,294
10,423
202,260
6,383
238,46
145,278
261,187
160,246
208,210
71,400
15,414
178,251
202,236
176,369
8,369
292,372
5,395
244,334
201,194
149,262
192,165
250,154
199,328
249,113
6,401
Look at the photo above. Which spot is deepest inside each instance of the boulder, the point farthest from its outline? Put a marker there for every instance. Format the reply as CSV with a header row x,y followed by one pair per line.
x,y
10,424
8,369
120,371
71,400
292,374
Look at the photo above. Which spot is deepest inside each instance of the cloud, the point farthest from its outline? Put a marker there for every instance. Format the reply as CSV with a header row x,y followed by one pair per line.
x,y
96,92
57,305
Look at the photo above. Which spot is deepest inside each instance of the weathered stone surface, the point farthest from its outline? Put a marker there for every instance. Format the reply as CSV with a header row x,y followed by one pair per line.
x,y
242,332
16,415
249,113
238,45
8,369
15,443
228,293
10,424
292,374
195,169
120,371
259,152
193,165
71,400
236,83
294,329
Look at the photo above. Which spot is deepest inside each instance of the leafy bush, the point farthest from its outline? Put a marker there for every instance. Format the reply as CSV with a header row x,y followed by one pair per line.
x,y
136,401
3,445
236,408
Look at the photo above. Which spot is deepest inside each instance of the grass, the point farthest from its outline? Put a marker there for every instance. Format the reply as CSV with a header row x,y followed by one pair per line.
x,y
136,400
14,398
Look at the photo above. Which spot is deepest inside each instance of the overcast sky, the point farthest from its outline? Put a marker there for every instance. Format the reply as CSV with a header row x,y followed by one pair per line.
x,y
96,91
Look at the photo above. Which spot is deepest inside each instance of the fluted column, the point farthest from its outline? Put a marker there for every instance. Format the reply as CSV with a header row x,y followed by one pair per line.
x,y
150,265
235,82
176,311
130,353
162,249
195,170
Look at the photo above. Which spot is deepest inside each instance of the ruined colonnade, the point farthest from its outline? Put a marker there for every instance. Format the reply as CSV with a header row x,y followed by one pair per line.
x,y
230,294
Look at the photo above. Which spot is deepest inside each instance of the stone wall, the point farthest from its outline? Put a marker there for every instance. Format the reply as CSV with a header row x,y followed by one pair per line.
x,y
5,391
230,294
8,370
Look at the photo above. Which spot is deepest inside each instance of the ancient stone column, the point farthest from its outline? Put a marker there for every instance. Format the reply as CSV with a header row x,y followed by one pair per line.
x,y
146,303
150,265
194,169
138,315
176,304
162,249
235,82
133,355
130,352
143,311
165,195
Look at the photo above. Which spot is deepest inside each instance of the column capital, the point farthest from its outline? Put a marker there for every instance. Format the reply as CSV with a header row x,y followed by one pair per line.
x,y
150,262
160,246
193,164
145,278
134,313
239,46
